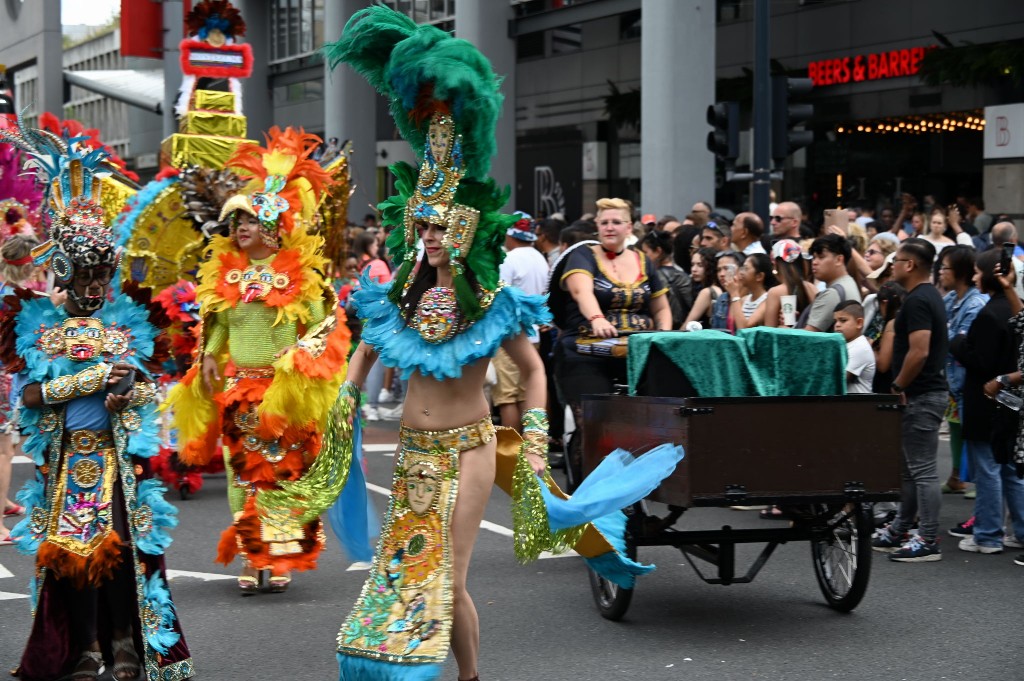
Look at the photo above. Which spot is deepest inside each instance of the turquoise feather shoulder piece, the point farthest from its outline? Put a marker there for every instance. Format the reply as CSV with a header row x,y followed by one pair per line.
x,y
398,346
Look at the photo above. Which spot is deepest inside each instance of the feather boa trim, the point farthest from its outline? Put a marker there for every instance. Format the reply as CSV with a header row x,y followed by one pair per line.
x,y
244,538
196,417
92,570
305,386
384,329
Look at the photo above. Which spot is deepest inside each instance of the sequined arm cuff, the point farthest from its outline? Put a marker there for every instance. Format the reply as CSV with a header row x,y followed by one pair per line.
x,y
86,382
350,389
142,394
535,432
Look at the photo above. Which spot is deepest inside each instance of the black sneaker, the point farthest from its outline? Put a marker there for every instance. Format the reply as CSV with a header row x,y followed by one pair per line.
x,y
964,529
887,542
917,550
1019,560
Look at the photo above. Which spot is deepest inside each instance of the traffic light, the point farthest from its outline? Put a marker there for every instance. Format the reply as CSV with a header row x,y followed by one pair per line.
x,y
786,137
724,140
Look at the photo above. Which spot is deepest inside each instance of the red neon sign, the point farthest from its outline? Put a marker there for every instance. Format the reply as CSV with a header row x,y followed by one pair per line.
x,y
878,66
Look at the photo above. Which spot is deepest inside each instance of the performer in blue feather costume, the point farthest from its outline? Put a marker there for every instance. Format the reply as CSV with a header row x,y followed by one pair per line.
x,y
440,320
97,528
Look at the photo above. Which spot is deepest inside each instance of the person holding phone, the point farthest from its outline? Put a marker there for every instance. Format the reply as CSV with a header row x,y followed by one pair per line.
x,y
96,523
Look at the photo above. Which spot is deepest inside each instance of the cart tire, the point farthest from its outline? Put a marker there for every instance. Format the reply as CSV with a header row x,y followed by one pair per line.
x,y
611,599
842,556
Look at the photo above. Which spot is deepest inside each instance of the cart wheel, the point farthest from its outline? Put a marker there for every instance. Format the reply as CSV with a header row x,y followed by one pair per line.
x,y
612,600
842,554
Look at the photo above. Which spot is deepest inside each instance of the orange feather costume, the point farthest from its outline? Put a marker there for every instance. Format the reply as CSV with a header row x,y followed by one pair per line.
x,y
280,340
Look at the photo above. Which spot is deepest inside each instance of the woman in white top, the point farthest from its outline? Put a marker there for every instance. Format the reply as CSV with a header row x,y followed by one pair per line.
x,y
936,234
749,290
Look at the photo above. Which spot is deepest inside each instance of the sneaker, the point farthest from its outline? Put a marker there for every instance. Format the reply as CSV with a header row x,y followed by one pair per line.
x,y
392,414
386,396
964,529
968,544
887,542
971,494
917,550
1010,541
1019,560
370,413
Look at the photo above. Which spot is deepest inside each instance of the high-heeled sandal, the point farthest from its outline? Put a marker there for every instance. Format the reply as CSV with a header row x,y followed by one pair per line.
x,y
126,647
88,656
249,584
279,583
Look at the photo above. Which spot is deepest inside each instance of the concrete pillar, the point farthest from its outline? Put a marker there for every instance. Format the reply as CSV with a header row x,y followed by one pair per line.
x,y
678,84
257,98
485,24
174,26
50,63
349,113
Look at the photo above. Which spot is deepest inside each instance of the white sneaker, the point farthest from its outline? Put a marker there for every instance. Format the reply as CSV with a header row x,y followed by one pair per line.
x,y
1011,542
370,413
968,544
393,414
386,396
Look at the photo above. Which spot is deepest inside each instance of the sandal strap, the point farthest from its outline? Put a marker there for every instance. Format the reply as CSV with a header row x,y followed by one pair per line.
x,y
124,645
93,655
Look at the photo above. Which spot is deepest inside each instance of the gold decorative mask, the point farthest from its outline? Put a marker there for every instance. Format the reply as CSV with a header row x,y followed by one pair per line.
x,y
83,338
433,202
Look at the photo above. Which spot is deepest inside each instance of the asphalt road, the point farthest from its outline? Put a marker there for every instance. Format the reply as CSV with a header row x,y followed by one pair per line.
x,y
954,619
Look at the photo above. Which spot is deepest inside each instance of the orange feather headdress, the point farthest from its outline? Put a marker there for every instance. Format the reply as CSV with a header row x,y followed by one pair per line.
x,y
285,183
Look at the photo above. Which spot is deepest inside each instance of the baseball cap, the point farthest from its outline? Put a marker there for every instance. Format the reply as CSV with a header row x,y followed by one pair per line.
x,y
885,266
788,251
523,228
649,219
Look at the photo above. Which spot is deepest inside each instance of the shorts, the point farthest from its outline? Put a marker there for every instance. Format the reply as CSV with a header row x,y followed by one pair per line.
x,y
508,389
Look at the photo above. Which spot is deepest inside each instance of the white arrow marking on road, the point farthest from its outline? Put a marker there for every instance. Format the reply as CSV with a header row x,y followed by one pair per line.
x,y
358,566
4,572
5,596
205,576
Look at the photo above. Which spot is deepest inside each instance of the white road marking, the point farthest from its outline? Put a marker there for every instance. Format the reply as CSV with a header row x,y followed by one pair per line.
x,y
21,458
358,566
6,596
205,576
382,449
4,572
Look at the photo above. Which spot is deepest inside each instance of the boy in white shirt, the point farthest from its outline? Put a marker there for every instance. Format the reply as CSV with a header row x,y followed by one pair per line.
x,y
860,358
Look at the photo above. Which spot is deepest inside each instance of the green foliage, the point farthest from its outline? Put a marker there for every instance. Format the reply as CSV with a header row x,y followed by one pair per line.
x,y
973,65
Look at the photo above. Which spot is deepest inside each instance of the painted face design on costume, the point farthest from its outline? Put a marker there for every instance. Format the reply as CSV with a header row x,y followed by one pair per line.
x,y
83,338
421,487
257,281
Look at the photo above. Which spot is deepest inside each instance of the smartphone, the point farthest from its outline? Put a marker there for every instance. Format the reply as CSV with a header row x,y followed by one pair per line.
x,y
124,385
838,217
1006,262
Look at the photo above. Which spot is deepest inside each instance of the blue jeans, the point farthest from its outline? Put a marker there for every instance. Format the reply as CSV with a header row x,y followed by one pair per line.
x,y
921,494
994,482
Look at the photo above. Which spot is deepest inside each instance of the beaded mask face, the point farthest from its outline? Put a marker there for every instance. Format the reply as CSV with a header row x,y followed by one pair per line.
x,y
83,338
421,487
437,315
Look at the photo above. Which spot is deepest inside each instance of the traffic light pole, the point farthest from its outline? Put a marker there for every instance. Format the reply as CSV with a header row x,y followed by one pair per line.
x,y
762,112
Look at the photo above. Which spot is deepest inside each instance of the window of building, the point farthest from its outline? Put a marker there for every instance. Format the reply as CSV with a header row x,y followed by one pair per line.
x,y
440,13
296,28
297,93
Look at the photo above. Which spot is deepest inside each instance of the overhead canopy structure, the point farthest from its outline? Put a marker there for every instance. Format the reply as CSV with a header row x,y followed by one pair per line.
x,y
143,88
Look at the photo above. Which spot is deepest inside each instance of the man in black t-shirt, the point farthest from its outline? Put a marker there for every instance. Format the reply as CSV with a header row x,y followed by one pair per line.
x,y
918,363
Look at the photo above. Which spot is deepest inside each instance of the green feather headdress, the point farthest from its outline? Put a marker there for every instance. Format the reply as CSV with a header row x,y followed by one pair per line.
x,y
445,101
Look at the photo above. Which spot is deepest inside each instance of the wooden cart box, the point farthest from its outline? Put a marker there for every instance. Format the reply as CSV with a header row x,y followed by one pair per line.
x,y
742,450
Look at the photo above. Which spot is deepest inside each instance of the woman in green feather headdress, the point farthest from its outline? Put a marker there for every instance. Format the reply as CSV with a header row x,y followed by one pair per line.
x,y
439,322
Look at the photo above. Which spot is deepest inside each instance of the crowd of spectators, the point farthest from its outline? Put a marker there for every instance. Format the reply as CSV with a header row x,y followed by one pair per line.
x,y
917,292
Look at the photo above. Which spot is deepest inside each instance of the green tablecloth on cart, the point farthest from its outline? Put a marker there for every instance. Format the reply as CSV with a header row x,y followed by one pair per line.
x,y
761,361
